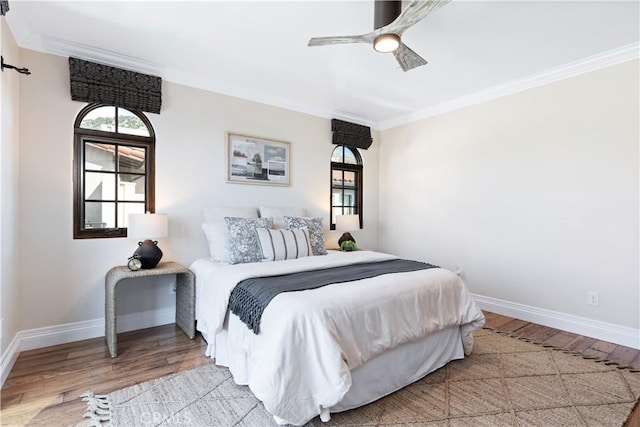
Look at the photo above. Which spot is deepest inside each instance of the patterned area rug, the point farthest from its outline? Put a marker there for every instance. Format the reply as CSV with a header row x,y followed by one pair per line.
x,y
505,382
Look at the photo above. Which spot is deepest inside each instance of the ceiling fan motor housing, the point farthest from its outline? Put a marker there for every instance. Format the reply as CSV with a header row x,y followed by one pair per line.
x,y
385,12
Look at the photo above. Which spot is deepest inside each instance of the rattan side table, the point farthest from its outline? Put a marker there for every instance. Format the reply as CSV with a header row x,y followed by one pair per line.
x,y
185,297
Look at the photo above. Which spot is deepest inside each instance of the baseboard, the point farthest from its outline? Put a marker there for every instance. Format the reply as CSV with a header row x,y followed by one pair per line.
x,y
69,332
9,357
621,335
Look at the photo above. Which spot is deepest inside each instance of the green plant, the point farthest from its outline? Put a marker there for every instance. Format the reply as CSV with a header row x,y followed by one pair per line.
x,y
348,245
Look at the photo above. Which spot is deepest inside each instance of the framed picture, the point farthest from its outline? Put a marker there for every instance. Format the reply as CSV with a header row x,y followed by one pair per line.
x,y
255,160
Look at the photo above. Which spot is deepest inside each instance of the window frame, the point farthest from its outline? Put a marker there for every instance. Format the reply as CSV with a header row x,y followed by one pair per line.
x,y
83,135
347,167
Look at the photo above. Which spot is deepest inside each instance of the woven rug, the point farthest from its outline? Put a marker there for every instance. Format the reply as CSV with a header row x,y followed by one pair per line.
x,y
505,382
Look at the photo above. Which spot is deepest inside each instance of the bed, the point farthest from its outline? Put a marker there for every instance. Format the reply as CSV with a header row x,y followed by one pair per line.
x,y
339,346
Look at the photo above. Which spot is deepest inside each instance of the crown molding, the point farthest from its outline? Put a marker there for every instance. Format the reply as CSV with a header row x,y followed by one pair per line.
x,y
353,118
605,59
63,47
239,91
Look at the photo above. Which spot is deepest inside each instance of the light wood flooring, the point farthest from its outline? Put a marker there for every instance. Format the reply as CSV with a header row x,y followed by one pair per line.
x,y
44,386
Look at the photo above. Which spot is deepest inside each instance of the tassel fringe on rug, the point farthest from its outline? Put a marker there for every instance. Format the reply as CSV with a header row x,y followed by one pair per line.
x,y
565,351
98,409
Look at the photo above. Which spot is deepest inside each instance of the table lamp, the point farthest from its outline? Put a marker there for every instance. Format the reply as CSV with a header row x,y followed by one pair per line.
x,y
347,223
148,226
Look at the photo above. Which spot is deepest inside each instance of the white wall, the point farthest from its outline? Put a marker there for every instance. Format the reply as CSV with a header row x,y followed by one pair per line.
x,y
9,92
534,195
61,279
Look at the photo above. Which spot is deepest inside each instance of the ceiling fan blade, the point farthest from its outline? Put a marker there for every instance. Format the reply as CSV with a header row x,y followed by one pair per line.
x,y
414,12
407,58
324,41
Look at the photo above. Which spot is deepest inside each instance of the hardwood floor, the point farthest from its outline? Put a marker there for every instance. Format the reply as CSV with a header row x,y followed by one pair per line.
x,y
44,386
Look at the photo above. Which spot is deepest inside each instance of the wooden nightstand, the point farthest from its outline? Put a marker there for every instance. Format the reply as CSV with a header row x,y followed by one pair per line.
x,y
185,297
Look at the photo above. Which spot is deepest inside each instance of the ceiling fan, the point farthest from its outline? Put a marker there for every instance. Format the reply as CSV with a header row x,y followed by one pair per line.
x,y
389,24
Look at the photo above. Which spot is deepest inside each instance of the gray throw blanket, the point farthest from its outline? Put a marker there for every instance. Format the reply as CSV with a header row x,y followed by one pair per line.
x,y
250,296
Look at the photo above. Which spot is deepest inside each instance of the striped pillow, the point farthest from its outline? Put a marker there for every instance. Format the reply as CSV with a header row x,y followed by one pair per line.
x,y
280,244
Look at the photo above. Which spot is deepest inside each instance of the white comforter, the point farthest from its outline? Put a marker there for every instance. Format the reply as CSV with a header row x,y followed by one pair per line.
x,y
311,340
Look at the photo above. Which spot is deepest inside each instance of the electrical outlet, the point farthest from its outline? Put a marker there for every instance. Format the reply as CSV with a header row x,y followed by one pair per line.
x,y
592,298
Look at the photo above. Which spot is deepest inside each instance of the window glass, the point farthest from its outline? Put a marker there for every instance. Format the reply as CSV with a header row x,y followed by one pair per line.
x,y
131,159
349,198
337,177
131,124
349,157
99,186
336,197
100,215
336,155
349,179
131,187
102,118
99,157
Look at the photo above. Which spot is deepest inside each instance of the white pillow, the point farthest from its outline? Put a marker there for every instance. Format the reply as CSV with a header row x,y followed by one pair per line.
x,y
278,245
215,229
216,215
278,214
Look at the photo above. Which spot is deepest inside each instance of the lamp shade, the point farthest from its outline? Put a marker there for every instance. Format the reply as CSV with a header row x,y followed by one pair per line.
x,y
148,225
347,222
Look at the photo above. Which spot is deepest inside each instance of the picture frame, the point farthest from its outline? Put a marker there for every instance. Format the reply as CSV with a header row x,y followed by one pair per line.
x,y
257,160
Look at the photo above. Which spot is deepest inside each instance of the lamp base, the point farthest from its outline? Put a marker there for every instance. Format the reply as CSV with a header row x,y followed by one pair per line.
x,y
149,253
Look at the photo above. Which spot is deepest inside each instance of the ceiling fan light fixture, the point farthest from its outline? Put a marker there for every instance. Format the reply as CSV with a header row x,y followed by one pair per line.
x,y
386,43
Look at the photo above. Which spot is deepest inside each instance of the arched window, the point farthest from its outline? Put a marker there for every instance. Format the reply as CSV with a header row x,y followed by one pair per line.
x,y
346,183
114,170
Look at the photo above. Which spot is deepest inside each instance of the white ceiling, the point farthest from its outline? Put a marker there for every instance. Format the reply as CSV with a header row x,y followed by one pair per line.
x,y
258,50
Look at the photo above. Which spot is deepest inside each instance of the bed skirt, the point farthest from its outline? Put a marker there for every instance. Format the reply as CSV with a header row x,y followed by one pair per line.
x,y
380,376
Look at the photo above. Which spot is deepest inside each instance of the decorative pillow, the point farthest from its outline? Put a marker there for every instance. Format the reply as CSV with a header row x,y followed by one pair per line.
x,y
243,242
278,214
277,245
215,229
316,232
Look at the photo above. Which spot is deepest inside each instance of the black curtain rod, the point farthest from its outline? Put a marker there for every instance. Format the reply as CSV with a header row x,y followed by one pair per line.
x,y
20,70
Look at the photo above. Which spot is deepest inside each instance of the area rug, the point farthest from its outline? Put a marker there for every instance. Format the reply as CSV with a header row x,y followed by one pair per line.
x,y
505,382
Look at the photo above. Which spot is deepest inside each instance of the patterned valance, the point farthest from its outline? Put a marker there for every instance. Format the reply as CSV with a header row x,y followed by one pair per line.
x,y
91,82
4,7
351,134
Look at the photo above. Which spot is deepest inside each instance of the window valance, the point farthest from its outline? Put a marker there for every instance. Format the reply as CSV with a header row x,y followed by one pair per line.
x,y
91,82
351,134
